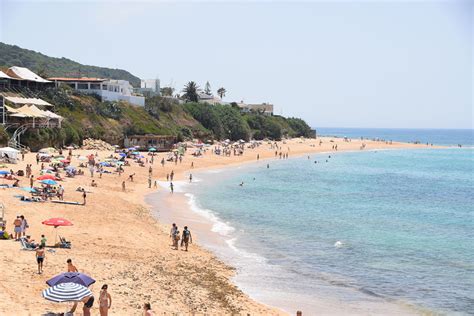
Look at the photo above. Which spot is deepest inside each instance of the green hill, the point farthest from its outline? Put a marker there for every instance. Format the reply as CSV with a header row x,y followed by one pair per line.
x,y
45,66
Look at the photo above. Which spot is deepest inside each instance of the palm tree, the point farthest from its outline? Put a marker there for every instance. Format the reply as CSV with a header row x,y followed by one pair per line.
x,y
207,88
190,91
167,91
221,92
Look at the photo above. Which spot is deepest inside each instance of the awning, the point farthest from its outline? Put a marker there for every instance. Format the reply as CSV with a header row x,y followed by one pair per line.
x,y
34,101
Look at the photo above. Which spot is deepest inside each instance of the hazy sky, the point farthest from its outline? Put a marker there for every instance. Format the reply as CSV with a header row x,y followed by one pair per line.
x,y
334,63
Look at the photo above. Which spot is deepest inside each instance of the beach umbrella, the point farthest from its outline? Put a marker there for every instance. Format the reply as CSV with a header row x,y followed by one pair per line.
x,y
66,292
123,155
135,153
81,158
71,277
56,221
120,163
46,177
65,161
70,168
4,172
152,149
140,156
49,182
69,147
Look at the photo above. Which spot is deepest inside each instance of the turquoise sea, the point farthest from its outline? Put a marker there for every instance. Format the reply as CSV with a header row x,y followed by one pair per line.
x,y
393,226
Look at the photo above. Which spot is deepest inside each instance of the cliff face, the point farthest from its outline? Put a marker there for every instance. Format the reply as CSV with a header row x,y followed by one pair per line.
x,y
86,117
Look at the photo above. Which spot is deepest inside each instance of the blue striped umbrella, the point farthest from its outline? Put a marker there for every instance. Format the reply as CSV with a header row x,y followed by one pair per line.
x,y
66,292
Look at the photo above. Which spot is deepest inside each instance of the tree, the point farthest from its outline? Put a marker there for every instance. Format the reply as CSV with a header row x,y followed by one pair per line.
x,y
221,92
207,88
190,91
167,91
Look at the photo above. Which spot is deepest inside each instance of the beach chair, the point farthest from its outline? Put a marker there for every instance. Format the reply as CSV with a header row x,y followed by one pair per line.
x,y
63,243
25,245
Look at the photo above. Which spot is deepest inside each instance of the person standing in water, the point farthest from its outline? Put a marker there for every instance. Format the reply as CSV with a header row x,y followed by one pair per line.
x,y
171,187
190,178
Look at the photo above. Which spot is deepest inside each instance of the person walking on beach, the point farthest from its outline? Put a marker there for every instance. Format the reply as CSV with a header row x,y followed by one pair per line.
x,y
173,230
186,238
149,182
32,180
40,254
70,266
258,157
123,186
105,301
162,162
171,175
176,238
17,228
37,158
24,225
150,171
190,178
171,187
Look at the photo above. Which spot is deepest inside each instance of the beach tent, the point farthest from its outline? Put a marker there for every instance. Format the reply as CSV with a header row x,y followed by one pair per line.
x,y
12,153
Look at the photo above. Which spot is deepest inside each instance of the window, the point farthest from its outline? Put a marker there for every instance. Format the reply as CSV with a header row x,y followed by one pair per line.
x,y
82,86
95,86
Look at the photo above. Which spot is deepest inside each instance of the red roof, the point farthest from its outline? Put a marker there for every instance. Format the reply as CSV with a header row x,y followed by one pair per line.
x,y
86,79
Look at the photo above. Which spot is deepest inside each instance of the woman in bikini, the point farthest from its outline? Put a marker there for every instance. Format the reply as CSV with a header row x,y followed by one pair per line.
x,y
105,301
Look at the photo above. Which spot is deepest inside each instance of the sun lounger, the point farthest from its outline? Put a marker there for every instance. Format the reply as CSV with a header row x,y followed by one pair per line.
x,y
25,245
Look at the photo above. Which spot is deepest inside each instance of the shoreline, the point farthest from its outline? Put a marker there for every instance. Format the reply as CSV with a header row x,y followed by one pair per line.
x,y
117,241
183,207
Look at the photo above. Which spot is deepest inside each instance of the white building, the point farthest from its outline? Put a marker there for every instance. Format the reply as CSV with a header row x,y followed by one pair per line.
x,y
209,98
108,90
265,108
149,87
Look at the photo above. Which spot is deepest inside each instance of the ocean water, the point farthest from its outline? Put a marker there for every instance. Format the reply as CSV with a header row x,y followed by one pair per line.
x,y
464,137
392,226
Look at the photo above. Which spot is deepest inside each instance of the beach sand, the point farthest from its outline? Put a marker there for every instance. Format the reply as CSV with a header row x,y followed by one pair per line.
x,y
118,241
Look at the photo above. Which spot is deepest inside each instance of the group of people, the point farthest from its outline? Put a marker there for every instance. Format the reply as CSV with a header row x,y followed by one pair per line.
x,y
185,237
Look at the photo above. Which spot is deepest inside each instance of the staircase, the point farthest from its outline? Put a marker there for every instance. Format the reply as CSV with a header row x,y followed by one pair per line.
x,y
14,142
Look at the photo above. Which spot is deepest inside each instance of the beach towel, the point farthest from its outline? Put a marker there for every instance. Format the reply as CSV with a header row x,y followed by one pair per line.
x,y
66,202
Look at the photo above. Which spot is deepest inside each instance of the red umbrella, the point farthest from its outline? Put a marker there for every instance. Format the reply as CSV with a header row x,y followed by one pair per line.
x,y
57,221
65,161
46,177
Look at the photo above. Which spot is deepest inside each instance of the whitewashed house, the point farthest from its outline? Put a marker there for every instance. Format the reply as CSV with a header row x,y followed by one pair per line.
x,y
108,90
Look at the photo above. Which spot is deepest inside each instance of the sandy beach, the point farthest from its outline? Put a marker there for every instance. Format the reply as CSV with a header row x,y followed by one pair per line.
x,y
117,240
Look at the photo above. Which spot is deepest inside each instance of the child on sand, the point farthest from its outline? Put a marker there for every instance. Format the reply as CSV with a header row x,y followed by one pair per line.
x,y
70,266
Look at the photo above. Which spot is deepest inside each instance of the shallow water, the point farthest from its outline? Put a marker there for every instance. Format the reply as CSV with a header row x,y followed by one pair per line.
x,y
394,226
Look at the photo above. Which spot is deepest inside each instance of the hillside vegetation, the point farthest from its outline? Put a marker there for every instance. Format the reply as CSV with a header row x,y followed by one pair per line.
x,y
86,116
45,66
